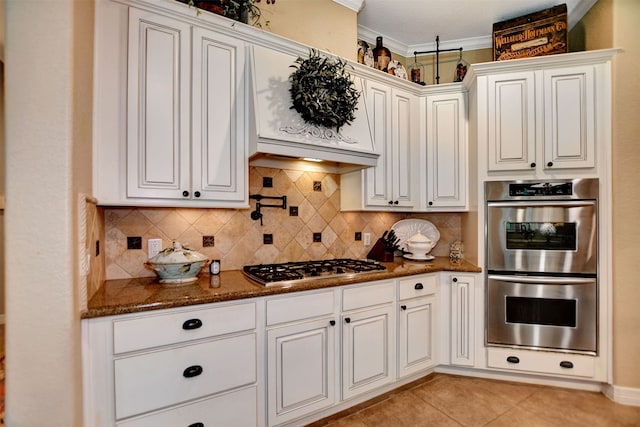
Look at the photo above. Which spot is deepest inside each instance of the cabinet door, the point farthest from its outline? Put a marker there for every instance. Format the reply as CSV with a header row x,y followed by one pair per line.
x,y
512,121
462,320
301,369
417,339
403,133
379,191
446,151
218,143
367,350
158,106
569,118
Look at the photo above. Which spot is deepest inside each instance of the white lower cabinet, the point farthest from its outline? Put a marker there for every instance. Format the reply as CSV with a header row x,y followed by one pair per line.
x,y
193,366
417,324
542,362
462,315
301,355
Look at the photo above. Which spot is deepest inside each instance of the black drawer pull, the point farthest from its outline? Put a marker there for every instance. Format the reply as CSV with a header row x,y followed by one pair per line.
x,y
192,324
196,425
513,359
192,371
550,164
566,364
404,307
332,322
347,320
418,286
455,280
185,193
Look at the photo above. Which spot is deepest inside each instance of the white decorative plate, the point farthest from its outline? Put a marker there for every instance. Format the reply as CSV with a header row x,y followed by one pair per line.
x,y
406,228
412,258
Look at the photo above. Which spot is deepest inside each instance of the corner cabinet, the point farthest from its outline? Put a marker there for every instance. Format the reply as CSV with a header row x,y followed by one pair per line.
x,y
390,185
543,116
185,142
447,152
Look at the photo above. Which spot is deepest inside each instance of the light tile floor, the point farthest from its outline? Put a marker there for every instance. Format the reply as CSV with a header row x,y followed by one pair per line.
x,y
447,400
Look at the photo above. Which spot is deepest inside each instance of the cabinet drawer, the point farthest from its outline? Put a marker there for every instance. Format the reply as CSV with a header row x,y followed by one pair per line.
x,y
542,362
159,379
161,329
418,286
299,307
368,295
232,409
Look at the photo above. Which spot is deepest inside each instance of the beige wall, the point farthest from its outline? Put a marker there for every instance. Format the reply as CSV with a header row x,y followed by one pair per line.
x,y
614,23
48,130
336,32
626,198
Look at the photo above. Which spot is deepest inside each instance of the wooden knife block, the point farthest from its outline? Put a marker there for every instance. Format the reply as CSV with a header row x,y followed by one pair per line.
x,y
379,253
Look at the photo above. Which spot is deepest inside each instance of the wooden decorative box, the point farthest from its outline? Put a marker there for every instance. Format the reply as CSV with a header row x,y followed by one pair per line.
x,y
536,34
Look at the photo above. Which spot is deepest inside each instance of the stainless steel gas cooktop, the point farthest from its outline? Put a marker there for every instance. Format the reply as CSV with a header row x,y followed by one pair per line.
x,y
299,272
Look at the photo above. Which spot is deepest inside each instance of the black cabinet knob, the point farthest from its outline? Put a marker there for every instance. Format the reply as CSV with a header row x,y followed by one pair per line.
x,y
192,371
347,320
430,203
390,202
566,364
196,425
197,194
533,164
418,286
455,280
550,164
395,203
404,307
185,193
332,322
192,324
513,359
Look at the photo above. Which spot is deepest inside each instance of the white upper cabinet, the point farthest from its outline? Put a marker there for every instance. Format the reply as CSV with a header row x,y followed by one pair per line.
x,y
543,116
185,138
391,184
447,152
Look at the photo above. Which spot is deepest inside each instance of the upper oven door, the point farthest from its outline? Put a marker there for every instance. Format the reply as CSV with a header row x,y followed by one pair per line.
x,y
542,237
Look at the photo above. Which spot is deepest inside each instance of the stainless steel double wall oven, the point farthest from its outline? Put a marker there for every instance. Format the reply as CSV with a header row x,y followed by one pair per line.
x,y
542,264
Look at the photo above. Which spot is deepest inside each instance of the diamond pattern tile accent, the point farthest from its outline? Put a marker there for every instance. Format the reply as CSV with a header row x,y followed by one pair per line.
x,y
239,239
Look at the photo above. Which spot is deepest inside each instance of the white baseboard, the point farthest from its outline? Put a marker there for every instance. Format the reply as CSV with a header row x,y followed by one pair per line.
x,y
624,395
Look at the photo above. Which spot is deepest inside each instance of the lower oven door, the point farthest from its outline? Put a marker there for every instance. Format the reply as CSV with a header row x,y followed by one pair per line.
x,y
542,312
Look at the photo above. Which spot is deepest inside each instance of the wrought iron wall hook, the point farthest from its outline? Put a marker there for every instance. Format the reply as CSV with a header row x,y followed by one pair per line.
x,y
257,215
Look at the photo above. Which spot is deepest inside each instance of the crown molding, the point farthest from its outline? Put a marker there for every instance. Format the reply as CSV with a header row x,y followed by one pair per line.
x,y
355,5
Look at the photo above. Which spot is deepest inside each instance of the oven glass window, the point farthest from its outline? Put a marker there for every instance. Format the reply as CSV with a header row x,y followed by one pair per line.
x,y
541,311
542,236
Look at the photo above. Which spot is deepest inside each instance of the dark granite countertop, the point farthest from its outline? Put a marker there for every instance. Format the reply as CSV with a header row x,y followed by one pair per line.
x,y
143,294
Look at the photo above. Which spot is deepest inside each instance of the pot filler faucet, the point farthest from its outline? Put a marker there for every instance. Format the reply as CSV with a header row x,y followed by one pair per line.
x,y
257,215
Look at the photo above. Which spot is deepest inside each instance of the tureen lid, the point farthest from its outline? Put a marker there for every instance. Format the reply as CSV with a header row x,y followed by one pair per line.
x,y
419,238
178,254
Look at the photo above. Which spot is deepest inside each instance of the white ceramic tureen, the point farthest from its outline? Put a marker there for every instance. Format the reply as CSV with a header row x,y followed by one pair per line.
x,y
419,245
177,264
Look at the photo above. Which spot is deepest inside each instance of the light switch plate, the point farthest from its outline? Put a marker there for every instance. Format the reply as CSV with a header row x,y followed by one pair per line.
x,y
154,246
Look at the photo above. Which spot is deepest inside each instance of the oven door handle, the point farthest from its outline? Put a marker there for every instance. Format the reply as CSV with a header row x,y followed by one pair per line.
x,y
544,280
541,203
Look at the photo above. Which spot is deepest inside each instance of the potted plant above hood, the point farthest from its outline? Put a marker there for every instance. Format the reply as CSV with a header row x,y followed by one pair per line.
x,y
246,11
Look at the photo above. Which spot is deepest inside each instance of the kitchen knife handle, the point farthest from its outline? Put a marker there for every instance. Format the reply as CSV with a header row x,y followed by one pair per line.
x,y
192,324
192,371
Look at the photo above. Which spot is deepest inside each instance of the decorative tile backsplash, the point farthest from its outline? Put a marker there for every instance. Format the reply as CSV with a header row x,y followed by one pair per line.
x,y
312,227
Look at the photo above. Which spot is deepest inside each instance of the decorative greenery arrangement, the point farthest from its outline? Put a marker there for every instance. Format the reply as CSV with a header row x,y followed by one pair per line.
x,y
322,91
240,10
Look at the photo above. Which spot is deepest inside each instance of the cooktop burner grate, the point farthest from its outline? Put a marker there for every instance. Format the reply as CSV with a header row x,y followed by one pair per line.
x,y
297,272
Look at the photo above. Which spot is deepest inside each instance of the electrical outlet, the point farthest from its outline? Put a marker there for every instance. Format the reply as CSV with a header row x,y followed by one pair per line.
x,y
367,239
154,246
